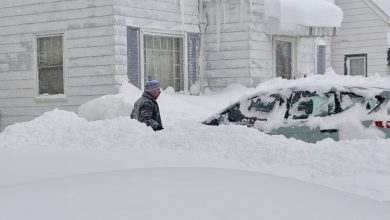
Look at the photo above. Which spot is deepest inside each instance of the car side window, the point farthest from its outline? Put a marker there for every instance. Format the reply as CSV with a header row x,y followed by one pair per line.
x,y
323,105
305,104
301,104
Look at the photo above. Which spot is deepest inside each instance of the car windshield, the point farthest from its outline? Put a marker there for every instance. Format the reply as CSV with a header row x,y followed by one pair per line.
x,y
247,111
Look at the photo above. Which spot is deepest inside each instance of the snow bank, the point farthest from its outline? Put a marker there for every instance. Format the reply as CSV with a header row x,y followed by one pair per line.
x,y
173,105
111,106
60,143
182,193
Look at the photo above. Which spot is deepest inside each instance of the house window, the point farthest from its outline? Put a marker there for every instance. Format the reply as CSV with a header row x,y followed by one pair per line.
x,y
356,64
163,59
283,57
321,59
50,65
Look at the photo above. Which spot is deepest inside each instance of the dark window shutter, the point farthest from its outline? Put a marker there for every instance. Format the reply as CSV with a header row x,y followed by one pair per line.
x,y
321,59
193,57
133,56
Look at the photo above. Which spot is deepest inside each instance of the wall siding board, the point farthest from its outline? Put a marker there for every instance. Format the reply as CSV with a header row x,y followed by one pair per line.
x,y
45,17
88,32
16,93
46,6
58,26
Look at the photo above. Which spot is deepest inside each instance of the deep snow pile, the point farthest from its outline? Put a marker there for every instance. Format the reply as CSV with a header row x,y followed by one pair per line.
x,y
182,193
61,143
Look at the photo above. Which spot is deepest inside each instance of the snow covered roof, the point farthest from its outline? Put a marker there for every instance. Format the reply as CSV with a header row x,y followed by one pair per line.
x,y
384,5
291,14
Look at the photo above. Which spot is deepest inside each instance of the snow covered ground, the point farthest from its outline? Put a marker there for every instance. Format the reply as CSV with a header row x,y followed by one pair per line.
x,y
102,138
182,193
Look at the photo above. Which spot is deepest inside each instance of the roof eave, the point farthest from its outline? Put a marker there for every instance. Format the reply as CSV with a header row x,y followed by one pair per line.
x,y
378,11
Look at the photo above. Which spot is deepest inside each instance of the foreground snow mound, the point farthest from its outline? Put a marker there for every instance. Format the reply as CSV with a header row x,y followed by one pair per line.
x,y
183,193
58,136
63,129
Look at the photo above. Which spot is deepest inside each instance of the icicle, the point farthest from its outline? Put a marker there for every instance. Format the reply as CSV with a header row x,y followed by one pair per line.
x,y
224,13
242,10
218,22
221,12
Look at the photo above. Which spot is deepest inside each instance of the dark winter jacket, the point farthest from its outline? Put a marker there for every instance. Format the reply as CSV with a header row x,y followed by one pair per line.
x,y
146,111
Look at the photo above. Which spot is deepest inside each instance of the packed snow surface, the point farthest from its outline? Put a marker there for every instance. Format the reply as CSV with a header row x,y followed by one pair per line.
x,y
182,193
103,138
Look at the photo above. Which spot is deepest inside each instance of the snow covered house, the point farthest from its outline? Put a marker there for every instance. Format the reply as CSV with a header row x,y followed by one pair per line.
x,y
362,45
249,41
63,53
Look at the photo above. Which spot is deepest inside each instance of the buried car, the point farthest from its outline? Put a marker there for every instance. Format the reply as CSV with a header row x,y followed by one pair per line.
x,y
313,114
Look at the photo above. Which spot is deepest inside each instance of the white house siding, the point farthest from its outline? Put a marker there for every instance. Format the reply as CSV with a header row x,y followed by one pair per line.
x,y
306,59
227,44
261,46
89,53
362,31
159,16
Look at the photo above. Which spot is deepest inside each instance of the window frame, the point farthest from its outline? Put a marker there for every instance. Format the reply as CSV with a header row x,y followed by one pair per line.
x,y
354,56
55,97
293,41
175,34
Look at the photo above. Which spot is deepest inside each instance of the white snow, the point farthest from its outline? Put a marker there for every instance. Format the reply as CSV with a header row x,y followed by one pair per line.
x,y
103,138
316,13
182,193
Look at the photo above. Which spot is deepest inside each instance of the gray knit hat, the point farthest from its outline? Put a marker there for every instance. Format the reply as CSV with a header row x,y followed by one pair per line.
x,y
151,84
